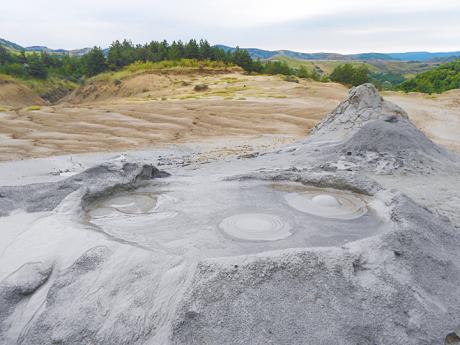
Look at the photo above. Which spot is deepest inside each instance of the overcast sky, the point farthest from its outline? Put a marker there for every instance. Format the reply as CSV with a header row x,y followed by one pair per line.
x,y
344,26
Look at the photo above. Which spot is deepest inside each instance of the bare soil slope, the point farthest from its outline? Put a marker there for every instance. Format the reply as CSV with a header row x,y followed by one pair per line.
x,y
153,109
14,94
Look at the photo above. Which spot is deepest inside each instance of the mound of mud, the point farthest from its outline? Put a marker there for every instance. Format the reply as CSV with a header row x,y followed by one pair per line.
x,y
47,196
365,132
363,104
385,145
227,269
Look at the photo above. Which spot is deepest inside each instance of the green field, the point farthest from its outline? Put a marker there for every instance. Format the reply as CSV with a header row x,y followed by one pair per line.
x,y
404,68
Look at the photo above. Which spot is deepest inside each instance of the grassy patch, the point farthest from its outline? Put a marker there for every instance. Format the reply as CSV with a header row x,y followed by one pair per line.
x,y
291,79
201,87
231,80
228,91
6,78
277,96
168,65
182,97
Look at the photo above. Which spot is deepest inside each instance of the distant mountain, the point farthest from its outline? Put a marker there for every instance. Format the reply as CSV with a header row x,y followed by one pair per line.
x,y
370,56
268,54
38,49
262,54
10,45
410,56
422,56
446,59
78,52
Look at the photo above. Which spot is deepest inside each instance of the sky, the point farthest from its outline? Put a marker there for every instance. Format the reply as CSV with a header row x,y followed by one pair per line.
x,y
342,26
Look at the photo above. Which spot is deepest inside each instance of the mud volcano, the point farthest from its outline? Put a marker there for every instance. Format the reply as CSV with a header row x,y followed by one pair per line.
x,y
327,203
256,227
282,248
130,203
236,217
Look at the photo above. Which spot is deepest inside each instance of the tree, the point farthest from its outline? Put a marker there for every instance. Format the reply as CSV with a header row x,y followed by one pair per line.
x,y
278,67
206,52
350,75
5,56
242,58
115,56
443,78
176,51
163,50
94,62
22,57
192,50
36,68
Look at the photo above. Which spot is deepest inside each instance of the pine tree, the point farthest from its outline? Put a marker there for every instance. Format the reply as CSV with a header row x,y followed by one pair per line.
x,y
206,52
5,56
94,62
242,58
36,67
192,50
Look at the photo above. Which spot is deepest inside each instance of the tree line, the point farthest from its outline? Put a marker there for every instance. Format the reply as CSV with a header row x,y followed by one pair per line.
x,y
443,78
123,53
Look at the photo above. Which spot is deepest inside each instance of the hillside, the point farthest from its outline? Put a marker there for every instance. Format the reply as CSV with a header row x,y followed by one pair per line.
x,y
15,94
404,68
262,54
443,78
10,45
14,47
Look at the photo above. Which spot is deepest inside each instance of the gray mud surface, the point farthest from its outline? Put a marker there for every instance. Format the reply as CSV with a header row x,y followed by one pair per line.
x,y
350,237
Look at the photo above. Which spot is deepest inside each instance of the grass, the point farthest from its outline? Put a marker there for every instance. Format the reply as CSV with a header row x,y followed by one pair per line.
x,y
34,108
404,68
168,65
6,78
182,97
228,91
231,80
43,86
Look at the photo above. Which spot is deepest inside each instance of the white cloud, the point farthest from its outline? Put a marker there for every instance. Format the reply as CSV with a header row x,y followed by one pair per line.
x,y
307,25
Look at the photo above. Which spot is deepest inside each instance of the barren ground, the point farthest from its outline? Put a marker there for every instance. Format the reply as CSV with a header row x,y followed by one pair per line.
x,y
236,114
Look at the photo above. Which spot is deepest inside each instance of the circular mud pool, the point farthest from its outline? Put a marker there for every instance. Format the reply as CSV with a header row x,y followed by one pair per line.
x,y
128,203
224,218
327,204
256,227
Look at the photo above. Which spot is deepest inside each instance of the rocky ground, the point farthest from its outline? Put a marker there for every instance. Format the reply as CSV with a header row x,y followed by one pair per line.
x,y
350,236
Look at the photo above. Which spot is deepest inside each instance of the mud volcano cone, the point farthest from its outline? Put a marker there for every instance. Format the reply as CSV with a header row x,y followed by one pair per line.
x,y
377,135
363,104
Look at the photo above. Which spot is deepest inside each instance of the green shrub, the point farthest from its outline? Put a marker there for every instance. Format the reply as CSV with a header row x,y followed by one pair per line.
x,y
443,78
201,87
291,78
350,75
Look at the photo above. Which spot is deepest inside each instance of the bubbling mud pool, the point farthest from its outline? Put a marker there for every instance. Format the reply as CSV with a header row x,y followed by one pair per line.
x,y
234,218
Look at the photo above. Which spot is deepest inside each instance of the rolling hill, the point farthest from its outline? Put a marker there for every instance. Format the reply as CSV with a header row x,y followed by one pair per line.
x,y
409,56
263,54
10,45
37,49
